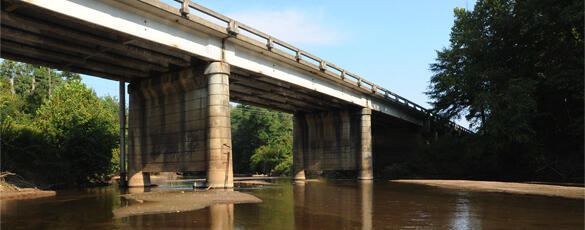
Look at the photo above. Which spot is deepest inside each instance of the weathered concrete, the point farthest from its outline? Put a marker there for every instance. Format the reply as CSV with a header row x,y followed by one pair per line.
x,y
122,113
339,141
167,125
326,141
366,159
298,154
219,163
181,122
138,178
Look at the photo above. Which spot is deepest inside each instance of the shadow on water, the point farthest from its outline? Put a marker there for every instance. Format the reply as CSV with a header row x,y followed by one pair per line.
x,y
302,205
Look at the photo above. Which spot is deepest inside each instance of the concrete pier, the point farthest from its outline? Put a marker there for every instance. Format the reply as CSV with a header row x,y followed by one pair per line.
x,y
219,144
366,161
180,122
298,153
122,114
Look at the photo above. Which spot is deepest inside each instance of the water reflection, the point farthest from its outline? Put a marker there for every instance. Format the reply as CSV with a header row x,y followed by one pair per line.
x,y
311,205
463,216
222,216
367,187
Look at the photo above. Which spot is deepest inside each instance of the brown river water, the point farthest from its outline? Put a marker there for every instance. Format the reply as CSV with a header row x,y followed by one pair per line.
x,y
313,205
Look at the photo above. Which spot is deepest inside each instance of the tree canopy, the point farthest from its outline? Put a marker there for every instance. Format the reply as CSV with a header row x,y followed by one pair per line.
x,y
54,129
262,140
515,70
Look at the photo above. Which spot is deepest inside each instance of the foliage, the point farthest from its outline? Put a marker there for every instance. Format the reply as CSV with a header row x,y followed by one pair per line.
x,y
262,140
57,132
515,69
83,130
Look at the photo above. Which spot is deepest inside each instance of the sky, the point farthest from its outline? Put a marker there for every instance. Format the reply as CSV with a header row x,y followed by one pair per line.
x,y
390,42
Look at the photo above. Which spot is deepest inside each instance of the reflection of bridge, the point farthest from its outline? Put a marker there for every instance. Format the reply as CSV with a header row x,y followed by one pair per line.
x,y
184,70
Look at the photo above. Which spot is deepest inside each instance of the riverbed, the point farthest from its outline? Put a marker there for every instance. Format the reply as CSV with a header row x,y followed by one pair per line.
x,y
321,204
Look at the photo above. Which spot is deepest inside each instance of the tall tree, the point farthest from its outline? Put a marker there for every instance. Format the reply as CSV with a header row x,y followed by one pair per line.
x,y
515,69
262,140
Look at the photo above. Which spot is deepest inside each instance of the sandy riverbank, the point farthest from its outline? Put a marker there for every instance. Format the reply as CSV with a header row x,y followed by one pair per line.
x,y
179,201
505,187
14,187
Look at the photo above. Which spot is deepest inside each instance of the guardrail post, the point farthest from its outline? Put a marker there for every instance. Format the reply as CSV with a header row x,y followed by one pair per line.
x,y
185,7
298,57
233,28
322,66
270,43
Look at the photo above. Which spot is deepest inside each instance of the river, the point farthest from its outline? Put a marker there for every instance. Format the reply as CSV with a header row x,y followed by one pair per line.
x,y
333,204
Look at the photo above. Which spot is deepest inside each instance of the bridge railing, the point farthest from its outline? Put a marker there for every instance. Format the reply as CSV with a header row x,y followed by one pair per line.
x,y
233,27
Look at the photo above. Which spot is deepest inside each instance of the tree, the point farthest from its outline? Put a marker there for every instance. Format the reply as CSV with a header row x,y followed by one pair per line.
x,y
62,138
515,69
83,130
262,140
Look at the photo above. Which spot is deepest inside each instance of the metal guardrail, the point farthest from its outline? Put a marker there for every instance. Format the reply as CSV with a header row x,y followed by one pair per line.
x,y
233,27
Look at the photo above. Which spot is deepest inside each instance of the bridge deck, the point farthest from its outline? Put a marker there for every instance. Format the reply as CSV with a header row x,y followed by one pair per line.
x,y
129,39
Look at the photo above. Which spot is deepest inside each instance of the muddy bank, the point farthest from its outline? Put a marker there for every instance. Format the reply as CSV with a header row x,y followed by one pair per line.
x,y
504,187
13,186
26,194
179,201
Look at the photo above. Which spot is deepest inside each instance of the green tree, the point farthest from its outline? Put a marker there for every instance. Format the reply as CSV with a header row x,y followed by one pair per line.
x,y
83,130
262,140
515,69
54,130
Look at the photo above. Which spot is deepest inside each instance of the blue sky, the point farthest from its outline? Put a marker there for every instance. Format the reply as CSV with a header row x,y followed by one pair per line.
x,y
390,43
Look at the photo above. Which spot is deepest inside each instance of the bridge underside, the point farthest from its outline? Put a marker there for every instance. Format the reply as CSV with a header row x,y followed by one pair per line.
x,y
36,36
179,101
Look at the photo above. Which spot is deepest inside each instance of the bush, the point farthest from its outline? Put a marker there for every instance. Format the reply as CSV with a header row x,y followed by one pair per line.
x,y
70,140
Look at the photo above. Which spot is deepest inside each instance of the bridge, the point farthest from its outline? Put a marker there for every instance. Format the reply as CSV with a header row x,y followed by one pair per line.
x,y
185,63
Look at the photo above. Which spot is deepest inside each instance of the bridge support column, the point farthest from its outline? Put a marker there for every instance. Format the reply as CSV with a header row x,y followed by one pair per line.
x,y
219,143
366,163
122,133
298,153
135,176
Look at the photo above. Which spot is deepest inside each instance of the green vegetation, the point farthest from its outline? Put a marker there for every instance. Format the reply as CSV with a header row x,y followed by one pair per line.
x,y
262,141
515,69
54,129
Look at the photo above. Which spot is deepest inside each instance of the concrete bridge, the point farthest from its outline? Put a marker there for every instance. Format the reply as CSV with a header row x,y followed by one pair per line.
x,y
185,63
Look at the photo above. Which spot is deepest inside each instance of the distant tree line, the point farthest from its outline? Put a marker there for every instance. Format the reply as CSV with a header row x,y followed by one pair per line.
x,y
515,70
